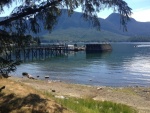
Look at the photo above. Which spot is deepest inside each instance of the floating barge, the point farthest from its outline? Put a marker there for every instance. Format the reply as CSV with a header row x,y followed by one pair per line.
x,y
97,48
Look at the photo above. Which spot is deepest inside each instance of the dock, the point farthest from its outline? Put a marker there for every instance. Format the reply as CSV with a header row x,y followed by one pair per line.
x,y
32,53
35,52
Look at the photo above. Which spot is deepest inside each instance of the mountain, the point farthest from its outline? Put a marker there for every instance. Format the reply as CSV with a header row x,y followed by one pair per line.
x,y
77,29
134,27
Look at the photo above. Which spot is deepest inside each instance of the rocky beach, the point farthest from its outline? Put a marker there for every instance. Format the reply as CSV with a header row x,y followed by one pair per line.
x,y
136,97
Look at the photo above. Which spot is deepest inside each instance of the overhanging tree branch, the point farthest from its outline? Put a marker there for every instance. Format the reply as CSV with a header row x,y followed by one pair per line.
x,y
29,11
89,9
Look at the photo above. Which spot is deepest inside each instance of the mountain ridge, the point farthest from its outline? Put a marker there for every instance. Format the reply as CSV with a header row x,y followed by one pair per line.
x,y
111,25
69,27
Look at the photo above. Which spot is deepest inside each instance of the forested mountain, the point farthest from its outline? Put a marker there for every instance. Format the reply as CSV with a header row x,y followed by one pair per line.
x,y
75,28
111,24
135,28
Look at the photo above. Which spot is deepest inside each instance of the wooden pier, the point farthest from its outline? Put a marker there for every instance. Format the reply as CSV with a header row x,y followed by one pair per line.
x,y
32,53
35,52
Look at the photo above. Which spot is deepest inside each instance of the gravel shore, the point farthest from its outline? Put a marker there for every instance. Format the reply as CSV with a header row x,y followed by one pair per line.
x,y
137,97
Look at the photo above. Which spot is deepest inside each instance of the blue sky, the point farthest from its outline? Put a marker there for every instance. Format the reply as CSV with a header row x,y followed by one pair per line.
x,y
140,9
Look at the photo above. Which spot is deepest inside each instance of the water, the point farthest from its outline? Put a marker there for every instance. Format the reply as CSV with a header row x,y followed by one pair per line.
x,y
127,65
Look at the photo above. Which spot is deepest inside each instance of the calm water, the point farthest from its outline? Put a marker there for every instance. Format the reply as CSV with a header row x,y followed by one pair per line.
x,y
126,65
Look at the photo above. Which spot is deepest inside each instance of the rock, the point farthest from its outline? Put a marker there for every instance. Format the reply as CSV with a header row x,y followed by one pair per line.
x,y
46,76
24,73
99,88
136,86
53,90
61,97
28,75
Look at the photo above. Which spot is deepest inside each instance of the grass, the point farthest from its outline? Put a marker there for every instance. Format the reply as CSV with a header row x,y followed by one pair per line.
x,y
91,106
20,98
87,105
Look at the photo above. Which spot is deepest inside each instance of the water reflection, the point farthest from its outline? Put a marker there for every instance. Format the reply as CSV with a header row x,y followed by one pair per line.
x,y
125,65
101,55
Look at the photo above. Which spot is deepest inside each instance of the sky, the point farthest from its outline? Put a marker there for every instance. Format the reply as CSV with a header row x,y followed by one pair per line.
x,y
140,9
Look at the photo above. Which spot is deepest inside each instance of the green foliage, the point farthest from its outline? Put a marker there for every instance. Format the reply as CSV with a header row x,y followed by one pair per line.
x,y
19,40
8,65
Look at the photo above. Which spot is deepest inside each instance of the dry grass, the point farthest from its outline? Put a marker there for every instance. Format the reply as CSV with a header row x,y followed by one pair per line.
x,y
19,98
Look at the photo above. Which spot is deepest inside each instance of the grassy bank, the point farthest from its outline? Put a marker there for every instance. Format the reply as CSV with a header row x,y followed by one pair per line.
x,y
91,106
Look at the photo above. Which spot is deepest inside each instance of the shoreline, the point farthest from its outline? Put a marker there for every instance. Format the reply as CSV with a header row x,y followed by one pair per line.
x,y
69,82
137,97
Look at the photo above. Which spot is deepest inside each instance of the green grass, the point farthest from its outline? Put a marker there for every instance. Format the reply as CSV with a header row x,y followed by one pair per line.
x,y
92,106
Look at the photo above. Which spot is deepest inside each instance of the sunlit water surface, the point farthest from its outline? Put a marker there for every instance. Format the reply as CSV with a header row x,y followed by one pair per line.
x,y
127,65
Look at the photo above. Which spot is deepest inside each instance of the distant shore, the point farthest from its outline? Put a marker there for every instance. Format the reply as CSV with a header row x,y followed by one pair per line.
x,y
137,97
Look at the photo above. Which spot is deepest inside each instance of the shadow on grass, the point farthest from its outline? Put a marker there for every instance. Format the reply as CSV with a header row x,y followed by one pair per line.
x,y
31,103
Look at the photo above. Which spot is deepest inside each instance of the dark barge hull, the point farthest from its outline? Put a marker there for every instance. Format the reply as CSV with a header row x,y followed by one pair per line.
x,y
98,48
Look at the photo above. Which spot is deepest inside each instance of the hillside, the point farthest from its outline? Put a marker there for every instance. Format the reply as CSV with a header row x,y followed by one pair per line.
x,y
75,28
135,28
84,34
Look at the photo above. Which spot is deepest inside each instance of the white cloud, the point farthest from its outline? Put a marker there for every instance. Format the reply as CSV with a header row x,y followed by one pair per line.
x,y
141,15
105,13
